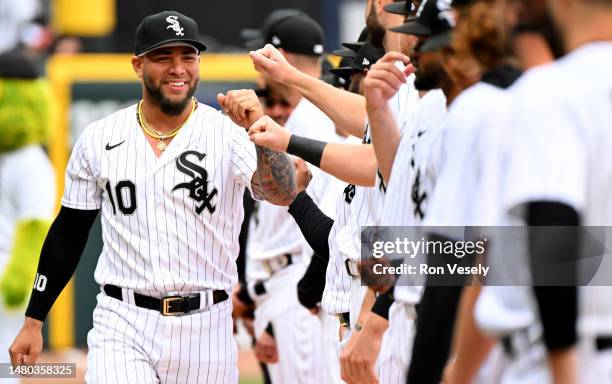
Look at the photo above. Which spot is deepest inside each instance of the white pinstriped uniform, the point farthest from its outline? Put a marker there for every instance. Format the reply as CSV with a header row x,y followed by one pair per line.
x,y
362,206
273,233
417,150
169,225
564,156
27,192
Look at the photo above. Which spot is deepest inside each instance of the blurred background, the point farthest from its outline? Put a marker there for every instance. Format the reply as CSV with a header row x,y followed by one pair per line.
x,y
84,47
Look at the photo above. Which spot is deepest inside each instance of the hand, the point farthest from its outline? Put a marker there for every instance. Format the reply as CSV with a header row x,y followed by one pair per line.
x,y
302,174
358,360
353,369
28,344
248,325
384,79
270,62
267,133
242,106
239,308
265,349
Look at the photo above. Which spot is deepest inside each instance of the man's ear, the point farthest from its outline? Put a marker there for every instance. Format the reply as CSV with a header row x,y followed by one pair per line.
x,y
137,64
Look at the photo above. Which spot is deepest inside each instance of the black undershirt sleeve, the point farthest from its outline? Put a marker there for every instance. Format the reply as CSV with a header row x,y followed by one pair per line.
x,y
558,305
383,303
59,258
435,323
311,285
313,223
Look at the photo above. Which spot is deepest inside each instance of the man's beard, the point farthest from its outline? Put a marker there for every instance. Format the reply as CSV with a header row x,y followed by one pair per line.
x,y
376,31
166,105
430,77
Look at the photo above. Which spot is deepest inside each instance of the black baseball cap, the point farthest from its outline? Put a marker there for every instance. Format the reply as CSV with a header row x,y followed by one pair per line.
x,y
400,8
335,80
367,55
255,38
167,28
349,50
297,34
289,29
429,19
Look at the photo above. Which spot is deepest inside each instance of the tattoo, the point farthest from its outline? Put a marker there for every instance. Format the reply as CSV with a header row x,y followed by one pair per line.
x,y
274,179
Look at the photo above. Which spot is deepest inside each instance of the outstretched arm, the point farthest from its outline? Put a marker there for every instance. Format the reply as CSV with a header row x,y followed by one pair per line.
x,y
59,257
382,82
352,163
274,179
347,110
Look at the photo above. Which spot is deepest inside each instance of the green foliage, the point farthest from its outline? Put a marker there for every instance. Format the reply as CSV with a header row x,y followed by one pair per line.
x,y
25,113
16,282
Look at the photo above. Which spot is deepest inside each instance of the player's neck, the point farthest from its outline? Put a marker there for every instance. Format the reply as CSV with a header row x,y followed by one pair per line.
x,y
596,26
161,121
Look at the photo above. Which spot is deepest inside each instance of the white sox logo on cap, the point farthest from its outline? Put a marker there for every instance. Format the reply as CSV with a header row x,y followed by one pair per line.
x,y
174,25
365,61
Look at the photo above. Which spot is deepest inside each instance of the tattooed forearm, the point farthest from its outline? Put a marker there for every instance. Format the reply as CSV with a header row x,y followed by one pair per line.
x,y
274,179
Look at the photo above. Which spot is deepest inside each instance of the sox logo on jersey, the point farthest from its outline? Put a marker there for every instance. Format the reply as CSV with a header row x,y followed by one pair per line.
x,y
198,186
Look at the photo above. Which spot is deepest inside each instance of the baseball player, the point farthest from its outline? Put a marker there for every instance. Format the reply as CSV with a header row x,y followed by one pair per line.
x,y
26,208
277,252
413,167
331,159
168,175
569,184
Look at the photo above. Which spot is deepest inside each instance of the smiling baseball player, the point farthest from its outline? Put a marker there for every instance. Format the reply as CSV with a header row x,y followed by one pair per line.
x,y
168,176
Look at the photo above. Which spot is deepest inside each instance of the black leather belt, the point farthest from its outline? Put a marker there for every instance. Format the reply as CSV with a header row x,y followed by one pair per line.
x,y
169,305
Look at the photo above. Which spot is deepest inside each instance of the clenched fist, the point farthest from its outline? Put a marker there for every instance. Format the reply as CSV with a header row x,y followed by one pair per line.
x,y
242,106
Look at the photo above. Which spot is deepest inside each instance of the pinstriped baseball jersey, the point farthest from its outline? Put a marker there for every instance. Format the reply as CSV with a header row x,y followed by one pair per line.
x,y
170,223
414,174
359,206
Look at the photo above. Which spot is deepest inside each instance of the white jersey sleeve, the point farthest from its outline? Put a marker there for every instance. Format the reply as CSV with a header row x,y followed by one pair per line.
x,y
244,158
547,162
82,190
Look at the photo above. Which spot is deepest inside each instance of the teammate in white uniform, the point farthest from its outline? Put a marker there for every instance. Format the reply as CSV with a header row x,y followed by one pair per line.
x,y
562,160
27,187
277,252
168,175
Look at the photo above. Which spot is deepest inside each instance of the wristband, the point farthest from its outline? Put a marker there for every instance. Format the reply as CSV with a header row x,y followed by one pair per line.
x,y
308,149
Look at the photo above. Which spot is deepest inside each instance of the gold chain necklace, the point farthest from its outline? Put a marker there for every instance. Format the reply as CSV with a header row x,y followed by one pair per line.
x,y
161,145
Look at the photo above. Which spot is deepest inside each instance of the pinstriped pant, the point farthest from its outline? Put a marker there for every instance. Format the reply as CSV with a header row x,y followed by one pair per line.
x,y
129,344
396,349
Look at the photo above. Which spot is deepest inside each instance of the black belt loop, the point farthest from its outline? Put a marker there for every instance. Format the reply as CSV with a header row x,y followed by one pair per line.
x,y
168,305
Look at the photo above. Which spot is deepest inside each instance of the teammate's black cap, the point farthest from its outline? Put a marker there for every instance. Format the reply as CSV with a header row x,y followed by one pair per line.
x,y
367,55
335,80
166,28
429,19
256,38
349,50
18,65
292,30
400,8
297,34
